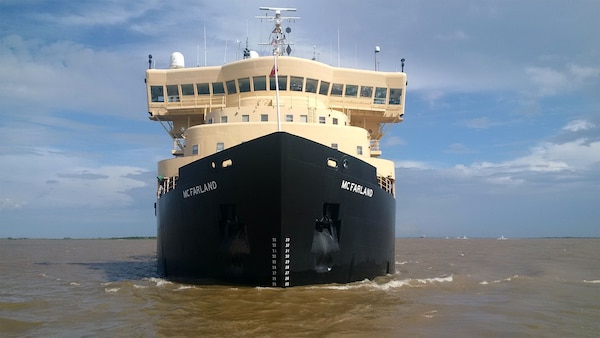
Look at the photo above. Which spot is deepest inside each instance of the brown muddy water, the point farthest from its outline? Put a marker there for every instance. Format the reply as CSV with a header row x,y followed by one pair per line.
x,y
442,287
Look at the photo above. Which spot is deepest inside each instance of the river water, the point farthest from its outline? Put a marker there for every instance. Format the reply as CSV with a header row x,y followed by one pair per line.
x,y
442,287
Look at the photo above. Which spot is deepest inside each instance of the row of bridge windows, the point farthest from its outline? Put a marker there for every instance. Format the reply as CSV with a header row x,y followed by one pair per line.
x,y
379,95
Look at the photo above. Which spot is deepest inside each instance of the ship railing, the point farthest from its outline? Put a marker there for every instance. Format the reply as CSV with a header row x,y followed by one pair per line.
x,y
387,184
166,184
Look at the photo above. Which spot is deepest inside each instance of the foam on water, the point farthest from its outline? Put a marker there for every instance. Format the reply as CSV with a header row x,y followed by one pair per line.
x,y
389,284
509,279
159,281
415,282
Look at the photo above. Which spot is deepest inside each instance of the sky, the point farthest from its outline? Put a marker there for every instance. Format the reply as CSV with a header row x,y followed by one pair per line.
x,y
501,133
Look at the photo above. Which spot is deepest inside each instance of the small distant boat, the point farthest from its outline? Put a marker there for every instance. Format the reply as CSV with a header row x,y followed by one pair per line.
x,y
501,238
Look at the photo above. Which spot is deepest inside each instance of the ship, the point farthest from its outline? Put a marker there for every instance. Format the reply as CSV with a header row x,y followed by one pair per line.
x,y
276,177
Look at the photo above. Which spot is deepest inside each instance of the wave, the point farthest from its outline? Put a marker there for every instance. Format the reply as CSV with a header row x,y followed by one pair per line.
x,y
594,281
159,281
385,285
502,280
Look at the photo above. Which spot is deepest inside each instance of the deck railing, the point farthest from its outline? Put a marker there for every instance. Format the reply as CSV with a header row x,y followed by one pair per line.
x,y
387,184
166,184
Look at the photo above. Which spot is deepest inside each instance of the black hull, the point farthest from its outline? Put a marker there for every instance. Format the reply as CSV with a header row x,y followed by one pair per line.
x,y
276,211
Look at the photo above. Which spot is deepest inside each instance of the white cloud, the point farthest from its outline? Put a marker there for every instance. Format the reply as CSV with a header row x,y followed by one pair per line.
x,y
50,178
40,76
411,165
562,161
480,123
547,80
578,125
392,141
10,204
551,191
99,13
583,73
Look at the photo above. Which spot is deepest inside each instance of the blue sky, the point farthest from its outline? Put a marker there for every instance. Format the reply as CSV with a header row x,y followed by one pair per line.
x,y
501,133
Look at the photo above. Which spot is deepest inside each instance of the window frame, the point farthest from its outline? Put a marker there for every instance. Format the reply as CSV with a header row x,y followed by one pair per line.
x,y
185,89
337,89
324,88
231,87
203,88
261,84
218,88
244,84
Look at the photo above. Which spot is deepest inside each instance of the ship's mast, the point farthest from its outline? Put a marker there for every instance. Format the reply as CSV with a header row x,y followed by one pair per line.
x,y
278,39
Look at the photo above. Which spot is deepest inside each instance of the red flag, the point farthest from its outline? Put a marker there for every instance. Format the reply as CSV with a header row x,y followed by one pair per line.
x,y
273,70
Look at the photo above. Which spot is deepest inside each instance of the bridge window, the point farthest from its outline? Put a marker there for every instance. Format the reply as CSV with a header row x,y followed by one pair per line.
x,y
157,94
380,95
220,146
351,90
245,118
335,120
244,85
359,150
304,118
260,83
217,88
336,89
366,91
296,83
264,117
282,82
324,88
311,85
223,119
322,119
289,118
173,93
195,149
202,88
231,87
395,95
187,89
334,146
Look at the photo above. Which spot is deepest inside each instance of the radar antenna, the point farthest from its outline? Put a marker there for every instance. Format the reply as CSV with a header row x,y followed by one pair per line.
x,y
278,38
